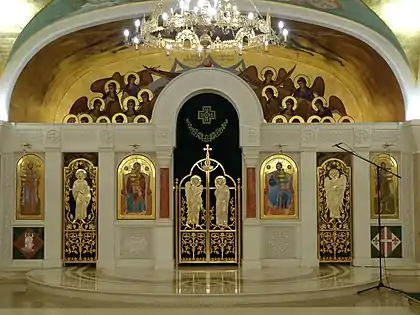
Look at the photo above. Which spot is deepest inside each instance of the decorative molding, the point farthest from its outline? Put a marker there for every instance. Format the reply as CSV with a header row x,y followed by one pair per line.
x,y
279,242
135,243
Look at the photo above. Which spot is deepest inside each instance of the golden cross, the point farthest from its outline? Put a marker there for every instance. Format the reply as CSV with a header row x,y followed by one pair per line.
x,y
207,149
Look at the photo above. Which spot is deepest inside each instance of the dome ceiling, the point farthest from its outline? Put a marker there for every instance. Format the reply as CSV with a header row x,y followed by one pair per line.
x,y
51,11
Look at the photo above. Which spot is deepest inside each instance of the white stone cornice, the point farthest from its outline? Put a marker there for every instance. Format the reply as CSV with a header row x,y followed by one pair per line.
x,y
164,158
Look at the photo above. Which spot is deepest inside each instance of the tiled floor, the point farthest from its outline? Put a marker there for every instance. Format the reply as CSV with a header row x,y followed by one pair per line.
x,y
15,298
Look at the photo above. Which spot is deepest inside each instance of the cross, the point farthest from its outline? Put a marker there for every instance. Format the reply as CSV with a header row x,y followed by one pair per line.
x,y
207,149
135,147
281,146
206,114
26,147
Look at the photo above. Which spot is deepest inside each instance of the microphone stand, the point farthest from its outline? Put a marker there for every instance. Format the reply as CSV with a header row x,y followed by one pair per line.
x,y
378,169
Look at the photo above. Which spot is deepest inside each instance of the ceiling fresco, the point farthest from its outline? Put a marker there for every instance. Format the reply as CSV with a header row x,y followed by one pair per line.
x,y
65,69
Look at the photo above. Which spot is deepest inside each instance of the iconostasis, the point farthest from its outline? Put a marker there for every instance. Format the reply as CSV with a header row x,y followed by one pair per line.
x,y
321,76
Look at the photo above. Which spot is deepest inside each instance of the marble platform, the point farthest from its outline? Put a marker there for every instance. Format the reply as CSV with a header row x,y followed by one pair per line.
x,y
201,287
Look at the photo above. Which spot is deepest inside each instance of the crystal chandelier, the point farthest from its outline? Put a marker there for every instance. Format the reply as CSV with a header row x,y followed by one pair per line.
x,y
206,27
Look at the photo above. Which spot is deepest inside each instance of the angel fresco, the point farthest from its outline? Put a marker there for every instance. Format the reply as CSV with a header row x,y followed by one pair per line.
x,y
269,76
114,92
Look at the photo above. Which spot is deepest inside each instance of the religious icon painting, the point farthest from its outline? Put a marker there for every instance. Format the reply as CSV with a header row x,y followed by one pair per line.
x,y
136,188
30,184
390,240
279,196
388,187
28,243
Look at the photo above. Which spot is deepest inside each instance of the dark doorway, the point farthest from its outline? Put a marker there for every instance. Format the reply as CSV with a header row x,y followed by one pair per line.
x,y
208,119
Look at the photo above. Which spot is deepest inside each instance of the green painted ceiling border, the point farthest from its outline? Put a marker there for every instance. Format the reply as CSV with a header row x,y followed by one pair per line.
x,y
354,10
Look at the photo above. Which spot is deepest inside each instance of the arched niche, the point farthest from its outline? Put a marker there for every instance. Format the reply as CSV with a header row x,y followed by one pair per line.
x,y
208,80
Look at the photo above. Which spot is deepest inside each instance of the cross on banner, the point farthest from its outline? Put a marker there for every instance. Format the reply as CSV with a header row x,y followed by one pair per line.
x,y
206,115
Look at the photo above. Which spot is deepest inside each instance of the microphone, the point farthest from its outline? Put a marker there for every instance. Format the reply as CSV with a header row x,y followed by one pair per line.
x,y
338,144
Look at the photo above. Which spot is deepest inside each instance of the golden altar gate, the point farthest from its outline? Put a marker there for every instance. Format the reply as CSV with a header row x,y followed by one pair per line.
x,y
207,216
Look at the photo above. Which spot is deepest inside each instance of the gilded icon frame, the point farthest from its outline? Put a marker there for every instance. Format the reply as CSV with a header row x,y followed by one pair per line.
x,y
38,162
267,167
147,168
392,165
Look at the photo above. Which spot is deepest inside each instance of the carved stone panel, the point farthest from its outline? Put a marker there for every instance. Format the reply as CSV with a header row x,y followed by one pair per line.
x,y
136,243
279,242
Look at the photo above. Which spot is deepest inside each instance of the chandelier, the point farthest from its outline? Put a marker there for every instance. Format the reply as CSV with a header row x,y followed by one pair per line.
x,y
206,27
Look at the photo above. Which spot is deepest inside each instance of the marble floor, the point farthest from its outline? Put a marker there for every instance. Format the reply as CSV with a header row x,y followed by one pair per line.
x,y
18,296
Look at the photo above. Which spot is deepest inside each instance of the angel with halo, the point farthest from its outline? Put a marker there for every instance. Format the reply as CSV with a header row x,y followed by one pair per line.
x,y
269,76
335,187
81,194
114,90
222,195
193,192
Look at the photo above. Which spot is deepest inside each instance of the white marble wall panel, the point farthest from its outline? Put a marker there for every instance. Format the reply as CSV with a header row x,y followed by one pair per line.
x,y
280,242
135,243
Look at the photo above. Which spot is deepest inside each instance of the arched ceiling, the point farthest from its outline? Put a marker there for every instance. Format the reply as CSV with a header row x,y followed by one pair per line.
x,y
354,10
397,14
45,90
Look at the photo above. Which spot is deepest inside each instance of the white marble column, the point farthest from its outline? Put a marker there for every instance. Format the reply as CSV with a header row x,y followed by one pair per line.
x,y
361,210
308,210
416,208
53,209
7,209
407,214
163,232
106,209
251,229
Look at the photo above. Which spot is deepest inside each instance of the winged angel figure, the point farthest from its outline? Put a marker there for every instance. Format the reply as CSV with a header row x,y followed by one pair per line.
x,y
335,188
113,91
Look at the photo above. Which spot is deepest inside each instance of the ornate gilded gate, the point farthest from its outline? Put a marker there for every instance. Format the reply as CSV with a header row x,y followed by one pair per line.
x,y
80,208
207,215
334,212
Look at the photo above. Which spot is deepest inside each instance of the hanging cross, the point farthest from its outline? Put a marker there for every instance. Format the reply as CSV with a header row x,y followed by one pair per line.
x,y
206,114
135,147
26,147
386,146
207,149
281,146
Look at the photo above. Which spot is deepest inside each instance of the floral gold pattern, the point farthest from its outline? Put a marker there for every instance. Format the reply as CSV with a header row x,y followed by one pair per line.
x,y
80,234
334,212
